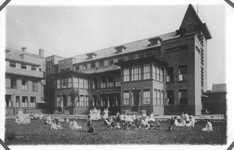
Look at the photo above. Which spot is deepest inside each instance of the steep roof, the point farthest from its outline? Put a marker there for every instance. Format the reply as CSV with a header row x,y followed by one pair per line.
x,y
130,47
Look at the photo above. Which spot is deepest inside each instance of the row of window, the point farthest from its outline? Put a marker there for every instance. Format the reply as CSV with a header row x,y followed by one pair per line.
x,y
158,97
106,82
135,72
114,60
182,97
24,103
24,66
83,101
12,83
72,82
182,73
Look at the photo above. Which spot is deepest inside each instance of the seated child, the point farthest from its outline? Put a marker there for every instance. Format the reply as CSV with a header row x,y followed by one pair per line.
x,y
74,125
173,119
67,120
208,127
53,125
59,126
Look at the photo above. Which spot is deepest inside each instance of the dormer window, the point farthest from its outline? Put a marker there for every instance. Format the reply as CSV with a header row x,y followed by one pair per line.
x,y
155,41
91,55
120,49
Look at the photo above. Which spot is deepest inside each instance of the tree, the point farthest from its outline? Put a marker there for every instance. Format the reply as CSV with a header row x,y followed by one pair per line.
x,y
74,97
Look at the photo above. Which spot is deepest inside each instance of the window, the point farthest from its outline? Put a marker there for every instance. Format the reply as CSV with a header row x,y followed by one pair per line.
x,y
69,82
136,73
85,66
170,97
146,97
12,64
170,76
110,82
183,97
69,103
81,100
58,84
158,97
101,63
93,65
110,62
162,97
23,66
103,82
126,74
81,83
24,86
13,83
117,81
58,100
17,101
126,97
8,101
85,83
182,73
64,83
77,68
34,68
94,83
24,101
102,100
147,71
34,86
75,82
33,102
86,100
161,74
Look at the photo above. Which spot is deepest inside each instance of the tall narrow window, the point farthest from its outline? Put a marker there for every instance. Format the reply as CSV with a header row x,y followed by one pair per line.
x,y
33,102
146,96
86,100
183,97
24,101
81,83
93,65
136,73
17,101
58,84
117,81
94,83
161,74
81,100
85,83
110,82
70,82
182,73
155,97
159,97
34,86
147,71
24,86
126,97
64,83
162,97
170,76
126,74
170,97
75,82
103,82
101,63
13,83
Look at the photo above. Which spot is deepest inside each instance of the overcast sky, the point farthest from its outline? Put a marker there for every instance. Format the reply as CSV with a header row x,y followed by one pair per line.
x,y
68,31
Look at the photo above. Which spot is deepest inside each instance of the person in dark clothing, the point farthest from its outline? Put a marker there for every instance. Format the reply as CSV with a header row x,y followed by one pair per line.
x,y
172,123
89,125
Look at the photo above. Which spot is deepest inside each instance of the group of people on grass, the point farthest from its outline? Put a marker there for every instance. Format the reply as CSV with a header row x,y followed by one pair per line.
x,y
121,121
22,118
124,121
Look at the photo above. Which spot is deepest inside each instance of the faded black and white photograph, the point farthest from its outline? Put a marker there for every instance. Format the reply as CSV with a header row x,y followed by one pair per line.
x,y
115,75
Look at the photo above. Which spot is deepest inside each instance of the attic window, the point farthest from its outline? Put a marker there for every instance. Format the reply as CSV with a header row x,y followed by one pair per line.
x,y
155,41
120,49
91,55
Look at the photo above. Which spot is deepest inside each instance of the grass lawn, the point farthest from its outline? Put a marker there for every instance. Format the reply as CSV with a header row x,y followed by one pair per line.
x,y
39,133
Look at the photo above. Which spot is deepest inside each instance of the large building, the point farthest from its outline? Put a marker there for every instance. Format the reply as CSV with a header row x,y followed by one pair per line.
x,y
165,74
24,80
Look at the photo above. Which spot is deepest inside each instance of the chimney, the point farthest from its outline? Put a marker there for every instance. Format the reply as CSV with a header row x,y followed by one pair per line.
x,y
41,52
24,49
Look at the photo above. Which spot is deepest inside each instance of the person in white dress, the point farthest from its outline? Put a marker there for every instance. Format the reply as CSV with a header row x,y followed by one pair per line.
x,y
91,114
49,119
208,127
53,126
95,111
98,114
191,122
22,118
105,113
74,125
40,115
151,117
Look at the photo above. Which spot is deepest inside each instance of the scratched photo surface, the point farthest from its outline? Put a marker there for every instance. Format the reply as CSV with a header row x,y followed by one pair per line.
x,y
118,75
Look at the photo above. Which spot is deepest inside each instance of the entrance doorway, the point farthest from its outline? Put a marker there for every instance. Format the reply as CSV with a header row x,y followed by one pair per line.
x,y
136,104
